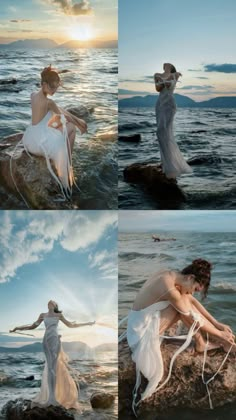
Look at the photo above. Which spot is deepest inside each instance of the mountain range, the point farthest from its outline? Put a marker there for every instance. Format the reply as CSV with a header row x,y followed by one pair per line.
x,y
49,43
181,101
77,346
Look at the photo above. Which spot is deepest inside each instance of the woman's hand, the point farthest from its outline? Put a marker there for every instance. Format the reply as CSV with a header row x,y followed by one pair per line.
x,y
80,124
55,121
11,331
223,327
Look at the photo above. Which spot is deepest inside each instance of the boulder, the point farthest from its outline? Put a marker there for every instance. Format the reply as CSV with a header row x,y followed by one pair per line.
x,y
81,111
30,175
151,176
12,81
185,389
20,410
204,159
135,138
102,400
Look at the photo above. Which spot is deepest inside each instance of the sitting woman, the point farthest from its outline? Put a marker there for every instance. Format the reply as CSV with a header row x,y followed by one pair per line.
x,y
163,300
52,131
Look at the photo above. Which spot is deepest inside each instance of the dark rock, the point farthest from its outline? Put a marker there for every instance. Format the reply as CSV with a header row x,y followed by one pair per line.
x,y
151,176
29,378
102,400
201,160
135,138
8,82
185,388
64,71
31,177
81,111
20,410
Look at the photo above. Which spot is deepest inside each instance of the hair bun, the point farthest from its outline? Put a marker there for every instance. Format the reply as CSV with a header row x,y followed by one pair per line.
x,y
202,264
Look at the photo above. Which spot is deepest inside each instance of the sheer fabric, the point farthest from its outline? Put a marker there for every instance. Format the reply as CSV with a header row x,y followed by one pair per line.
x,y
173,162
57,386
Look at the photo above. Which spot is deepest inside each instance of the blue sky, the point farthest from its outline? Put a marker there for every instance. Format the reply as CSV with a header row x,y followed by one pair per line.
x,y
67,256
192,35
59,20
187,220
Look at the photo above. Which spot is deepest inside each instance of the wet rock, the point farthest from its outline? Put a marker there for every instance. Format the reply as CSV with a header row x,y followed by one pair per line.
x,y
81,111
151,176
12,81
20,410
135,138
31,176
202,160
185,388
102,400
29,378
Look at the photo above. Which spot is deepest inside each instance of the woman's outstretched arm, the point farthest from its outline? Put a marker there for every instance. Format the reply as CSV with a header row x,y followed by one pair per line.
x,y
74,324
209,317
29,327
78,122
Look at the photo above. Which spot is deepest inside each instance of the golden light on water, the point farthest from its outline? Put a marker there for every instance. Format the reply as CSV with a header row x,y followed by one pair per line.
x,y
80,32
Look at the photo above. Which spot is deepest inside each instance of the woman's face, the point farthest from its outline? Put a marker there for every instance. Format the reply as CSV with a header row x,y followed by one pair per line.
x,y
167,67
191,285
51,304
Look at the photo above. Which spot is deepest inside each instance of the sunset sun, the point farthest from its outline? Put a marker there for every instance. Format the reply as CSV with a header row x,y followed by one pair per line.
x,y
81,32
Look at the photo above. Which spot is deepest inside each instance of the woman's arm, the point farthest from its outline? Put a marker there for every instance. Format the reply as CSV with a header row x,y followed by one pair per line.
x,y
79,123
208,316
74,324
29,327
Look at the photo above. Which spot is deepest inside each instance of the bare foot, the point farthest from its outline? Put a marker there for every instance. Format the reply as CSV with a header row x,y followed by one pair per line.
x,y
200,347
226,347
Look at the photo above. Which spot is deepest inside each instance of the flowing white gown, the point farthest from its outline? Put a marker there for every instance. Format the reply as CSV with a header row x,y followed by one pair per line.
x,y
51,143
57,386
173,162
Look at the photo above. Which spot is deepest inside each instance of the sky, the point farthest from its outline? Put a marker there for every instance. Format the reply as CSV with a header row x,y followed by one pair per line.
x,y
59,20
170,221
198,37
66,256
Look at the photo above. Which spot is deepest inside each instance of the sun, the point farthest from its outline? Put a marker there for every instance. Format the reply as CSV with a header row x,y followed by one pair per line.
x,y
80,32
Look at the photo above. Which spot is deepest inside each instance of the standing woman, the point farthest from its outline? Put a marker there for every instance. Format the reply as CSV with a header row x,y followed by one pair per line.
x,y
173,163
57,386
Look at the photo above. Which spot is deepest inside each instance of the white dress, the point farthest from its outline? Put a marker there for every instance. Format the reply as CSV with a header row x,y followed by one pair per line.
x,y
51,143
172,160
145,340
57,386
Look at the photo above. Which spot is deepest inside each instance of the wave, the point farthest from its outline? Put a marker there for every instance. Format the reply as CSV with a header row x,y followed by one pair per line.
x,y
112,70
222,131
135,126
132,255
225,287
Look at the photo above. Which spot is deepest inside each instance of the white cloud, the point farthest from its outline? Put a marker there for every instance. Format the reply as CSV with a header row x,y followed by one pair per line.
x,y
33,236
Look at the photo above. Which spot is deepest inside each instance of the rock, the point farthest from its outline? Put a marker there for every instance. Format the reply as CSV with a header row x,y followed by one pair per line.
x,y
151,176
81,111
185,389
12,81
135,138
64,71
20,410
102,400
201,160
31,176
29,378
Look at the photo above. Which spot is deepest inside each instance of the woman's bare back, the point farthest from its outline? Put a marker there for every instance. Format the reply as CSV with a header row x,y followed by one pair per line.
x,y
154,289
39,105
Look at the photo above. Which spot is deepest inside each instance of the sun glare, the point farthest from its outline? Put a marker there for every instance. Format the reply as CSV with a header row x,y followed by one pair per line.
x,y
81,32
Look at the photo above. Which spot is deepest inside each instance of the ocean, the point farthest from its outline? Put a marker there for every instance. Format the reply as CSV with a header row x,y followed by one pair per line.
x,y
208,133
91,82
94,375
139,257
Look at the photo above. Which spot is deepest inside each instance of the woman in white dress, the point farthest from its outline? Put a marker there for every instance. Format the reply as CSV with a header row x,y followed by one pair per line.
x,y
173,163
57,385
163,300
52,131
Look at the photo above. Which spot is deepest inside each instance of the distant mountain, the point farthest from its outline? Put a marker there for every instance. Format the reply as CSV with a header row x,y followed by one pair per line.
x,y
181,101
90,44
106,347
31,43
74,346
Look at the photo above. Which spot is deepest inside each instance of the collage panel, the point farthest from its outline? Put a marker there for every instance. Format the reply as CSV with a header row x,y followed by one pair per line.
x,y
58,339
58,104
177,307
177,105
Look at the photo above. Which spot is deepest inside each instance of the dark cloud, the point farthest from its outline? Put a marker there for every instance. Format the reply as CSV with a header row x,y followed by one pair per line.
x,y
220,68
197,87
20,20
80,8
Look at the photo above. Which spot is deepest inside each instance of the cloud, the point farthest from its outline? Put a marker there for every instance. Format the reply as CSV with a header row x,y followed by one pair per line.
x,y
132,92
197,87
80,8
201,77
20,20
106,263
145,79
220,68
29,240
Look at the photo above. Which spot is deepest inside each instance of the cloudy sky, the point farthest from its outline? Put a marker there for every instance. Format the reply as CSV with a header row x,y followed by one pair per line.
x,y
67,256
186,220
60,20
198,37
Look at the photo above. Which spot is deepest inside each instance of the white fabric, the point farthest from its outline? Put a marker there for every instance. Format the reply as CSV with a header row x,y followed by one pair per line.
x,y
145,340
51,143
57,386
173,162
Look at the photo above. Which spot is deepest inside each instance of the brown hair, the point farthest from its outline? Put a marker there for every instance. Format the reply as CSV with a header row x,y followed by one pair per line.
x,y
173,69
50,75
201,269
